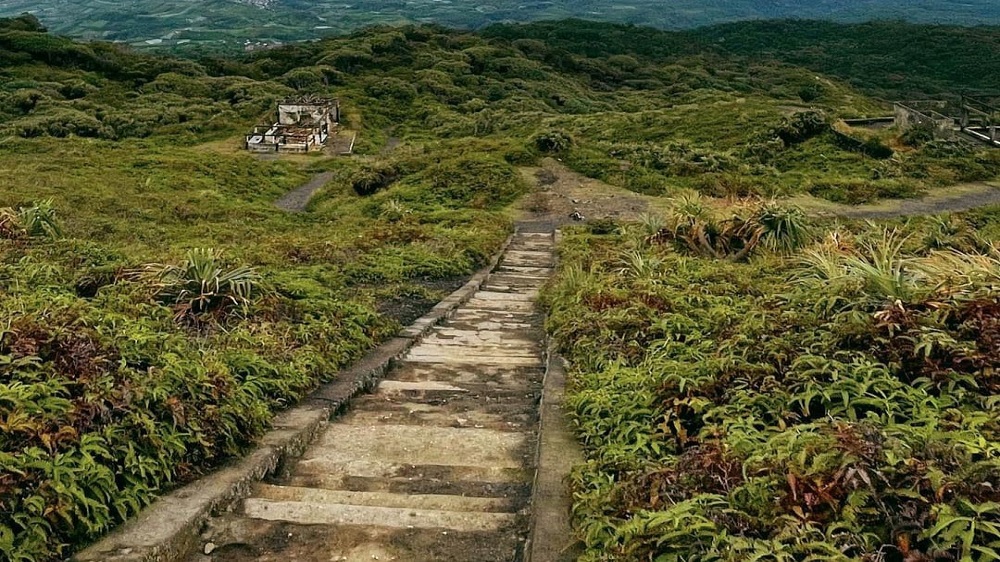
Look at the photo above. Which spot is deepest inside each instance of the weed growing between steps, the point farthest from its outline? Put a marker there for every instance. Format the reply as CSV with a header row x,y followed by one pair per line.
x,y
836,402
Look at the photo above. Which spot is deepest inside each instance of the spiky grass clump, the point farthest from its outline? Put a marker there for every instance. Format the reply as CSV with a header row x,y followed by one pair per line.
x,y
37,220
202,285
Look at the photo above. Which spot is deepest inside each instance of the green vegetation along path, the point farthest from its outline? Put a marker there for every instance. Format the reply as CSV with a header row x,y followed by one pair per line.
x,y
437,464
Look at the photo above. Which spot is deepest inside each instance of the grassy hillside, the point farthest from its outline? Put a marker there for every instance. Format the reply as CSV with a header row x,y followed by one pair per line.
x,y
227,23
124,194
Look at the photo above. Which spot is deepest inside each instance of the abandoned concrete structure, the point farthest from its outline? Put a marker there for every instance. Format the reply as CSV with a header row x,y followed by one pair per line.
x,y
303,125
980,118
975,117
912,114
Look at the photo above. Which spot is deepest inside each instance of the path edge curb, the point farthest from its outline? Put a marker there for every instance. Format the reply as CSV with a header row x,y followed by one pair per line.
x,y
550,533
170,527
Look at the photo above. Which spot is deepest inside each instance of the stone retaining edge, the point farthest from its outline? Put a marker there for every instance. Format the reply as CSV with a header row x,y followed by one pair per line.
x,y
550,533
169,529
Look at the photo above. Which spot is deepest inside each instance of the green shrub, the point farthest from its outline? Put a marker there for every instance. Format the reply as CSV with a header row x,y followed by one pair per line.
x,y
60,123
481,182
875,148
552,142
801,127
372,178
647,183
602,226
38,220
696,228
811,93
918,135
730,185
202,285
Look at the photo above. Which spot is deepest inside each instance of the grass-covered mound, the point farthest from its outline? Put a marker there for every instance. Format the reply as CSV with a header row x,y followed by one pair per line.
x,y
828,397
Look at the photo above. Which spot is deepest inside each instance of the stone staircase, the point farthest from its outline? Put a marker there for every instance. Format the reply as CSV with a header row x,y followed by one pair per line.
x,y
437,464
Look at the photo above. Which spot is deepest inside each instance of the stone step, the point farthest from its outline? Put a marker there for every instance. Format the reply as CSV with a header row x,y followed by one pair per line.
x,y
428,479
338,474
541,250
527,262
482,320
495,288
446,355
321,513
528,279
475,406
539,273
514,347
517,415
539,244
522,318
528,283
526,336
522,327
437,390
500,305
447,346
241,539
503,297
440,502
530,251
532,240
361,450
503,376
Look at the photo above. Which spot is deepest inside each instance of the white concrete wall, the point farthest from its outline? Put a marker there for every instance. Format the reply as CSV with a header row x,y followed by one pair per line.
x,y
291,114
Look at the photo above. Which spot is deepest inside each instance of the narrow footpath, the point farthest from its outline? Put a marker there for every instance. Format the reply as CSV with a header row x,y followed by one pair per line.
x,y
437,464
297,199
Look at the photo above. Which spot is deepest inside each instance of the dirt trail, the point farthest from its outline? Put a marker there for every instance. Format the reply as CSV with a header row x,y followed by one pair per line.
x,y
957,198
563,192
297,199
437,464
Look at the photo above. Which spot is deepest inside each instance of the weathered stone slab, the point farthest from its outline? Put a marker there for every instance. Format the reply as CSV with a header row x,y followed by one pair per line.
x,y
358,445
440,502
313,513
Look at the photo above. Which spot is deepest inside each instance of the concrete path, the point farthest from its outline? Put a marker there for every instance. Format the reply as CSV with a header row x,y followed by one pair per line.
x,y
437,465
297,199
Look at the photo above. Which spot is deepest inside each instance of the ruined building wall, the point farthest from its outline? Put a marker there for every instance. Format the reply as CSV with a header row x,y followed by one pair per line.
x,y
908,117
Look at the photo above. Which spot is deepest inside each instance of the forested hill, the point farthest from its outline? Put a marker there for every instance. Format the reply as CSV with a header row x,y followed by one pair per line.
x,y
890,59
228,23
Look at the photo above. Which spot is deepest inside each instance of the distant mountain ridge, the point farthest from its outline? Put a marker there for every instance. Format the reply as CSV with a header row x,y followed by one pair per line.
x,y
233,22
